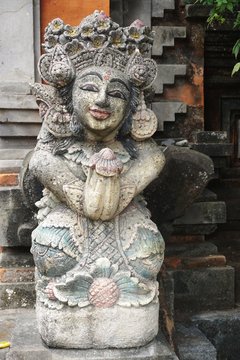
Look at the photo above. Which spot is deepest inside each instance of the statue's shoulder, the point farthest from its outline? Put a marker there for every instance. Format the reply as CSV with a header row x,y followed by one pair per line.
x,y
149,149
147,145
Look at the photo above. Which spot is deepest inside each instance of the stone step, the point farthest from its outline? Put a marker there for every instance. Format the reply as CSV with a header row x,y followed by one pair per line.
x,y
165,36
17,274
26,344
158,7
16,257
13,214
17,295
204,289
222,328
166,111
192,344
166,75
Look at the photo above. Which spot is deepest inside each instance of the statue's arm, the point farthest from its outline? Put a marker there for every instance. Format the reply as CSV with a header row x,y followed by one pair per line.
x,y
56,176
146,168
142,172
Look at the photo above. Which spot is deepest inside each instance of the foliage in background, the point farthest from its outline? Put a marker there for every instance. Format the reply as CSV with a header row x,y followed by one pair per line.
x,y
222,12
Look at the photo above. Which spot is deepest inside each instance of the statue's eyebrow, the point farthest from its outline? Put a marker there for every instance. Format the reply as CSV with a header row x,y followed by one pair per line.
x,y
91,73
121,82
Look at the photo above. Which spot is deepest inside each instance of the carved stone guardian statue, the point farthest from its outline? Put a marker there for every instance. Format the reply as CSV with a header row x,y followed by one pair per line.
x,y
97,253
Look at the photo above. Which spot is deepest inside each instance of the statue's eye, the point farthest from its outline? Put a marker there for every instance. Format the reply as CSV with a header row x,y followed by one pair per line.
x,y
117,94
89,87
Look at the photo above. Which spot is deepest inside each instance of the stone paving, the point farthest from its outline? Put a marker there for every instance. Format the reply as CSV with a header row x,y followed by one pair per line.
x,y
20,328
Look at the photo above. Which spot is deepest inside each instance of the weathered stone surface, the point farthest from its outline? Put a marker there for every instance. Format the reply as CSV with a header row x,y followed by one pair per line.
x,y
165,36
94,327
185,239
19,116
14,87
219,137
97,272
137,9
13,214
17,295
204,213
191,169
166,110
207,195
166,300
17,29
117,11
8,130
27,345
187,250
7,324
204,261
222,328
197,229
15,257
8,101
10,165
9,179
175,262
13,275
214,149
197,11
166,75
192,344
204,289
158,7
237,281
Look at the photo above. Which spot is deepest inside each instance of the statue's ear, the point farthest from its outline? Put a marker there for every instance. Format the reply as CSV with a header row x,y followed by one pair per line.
x,y
56,67
54,115
46,97
141,71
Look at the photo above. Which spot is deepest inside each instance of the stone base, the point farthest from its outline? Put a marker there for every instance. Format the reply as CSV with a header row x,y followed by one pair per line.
x,y
98,328
26,344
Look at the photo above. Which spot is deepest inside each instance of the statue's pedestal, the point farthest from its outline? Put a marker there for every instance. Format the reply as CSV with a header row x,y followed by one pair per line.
x,y
27,345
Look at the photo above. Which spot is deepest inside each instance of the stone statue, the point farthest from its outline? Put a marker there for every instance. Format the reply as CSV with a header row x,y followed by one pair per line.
x,y
97,253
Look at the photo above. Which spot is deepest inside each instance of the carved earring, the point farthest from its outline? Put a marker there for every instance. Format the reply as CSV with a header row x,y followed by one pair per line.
x,y
144,123
76,126
57,120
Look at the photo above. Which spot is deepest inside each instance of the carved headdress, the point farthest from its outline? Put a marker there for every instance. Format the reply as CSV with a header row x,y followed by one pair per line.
x,y
98,41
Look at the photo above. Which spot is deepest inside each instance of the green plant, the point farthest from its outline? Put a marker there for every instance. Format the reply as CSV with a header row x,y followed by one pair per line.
x,y
223,11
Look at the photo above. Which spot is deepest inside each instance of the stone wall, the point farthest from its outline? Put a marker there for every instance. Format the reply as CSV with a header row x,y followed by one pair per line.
x,y
179,106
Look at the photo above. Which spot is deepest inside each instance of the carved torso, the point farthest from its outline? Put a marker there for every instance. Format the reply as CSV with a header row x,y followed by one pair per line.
x,y
65,241
96,250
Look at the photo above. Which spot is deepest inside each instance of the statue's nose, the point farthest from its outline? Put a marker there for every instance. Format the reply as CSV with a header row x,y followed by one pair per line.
x,y
102,100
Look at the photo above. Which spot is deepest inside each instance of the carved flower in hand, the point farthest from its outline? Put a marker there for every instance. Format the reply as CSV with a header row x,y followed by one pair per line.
x,y
103,287
106,163
71,32
117,39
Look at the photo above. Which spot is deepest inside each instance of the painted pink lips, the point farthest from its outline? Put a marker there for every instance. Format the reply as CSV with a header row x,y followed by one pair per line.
x,y
99,114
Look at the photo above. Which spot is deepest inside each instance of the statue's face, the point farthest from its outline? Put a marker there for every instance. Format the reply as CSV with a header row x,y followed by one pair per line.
x,y
100,99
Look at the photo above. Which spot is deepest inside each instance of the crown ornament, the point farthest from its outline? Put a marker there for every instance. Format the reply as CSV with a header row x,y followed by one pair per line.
x,y
98,41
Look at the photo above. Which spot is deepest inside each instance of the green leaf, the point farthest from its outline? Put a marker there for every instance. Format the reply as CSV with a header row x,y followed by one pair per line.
x,y
236,68
236,48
